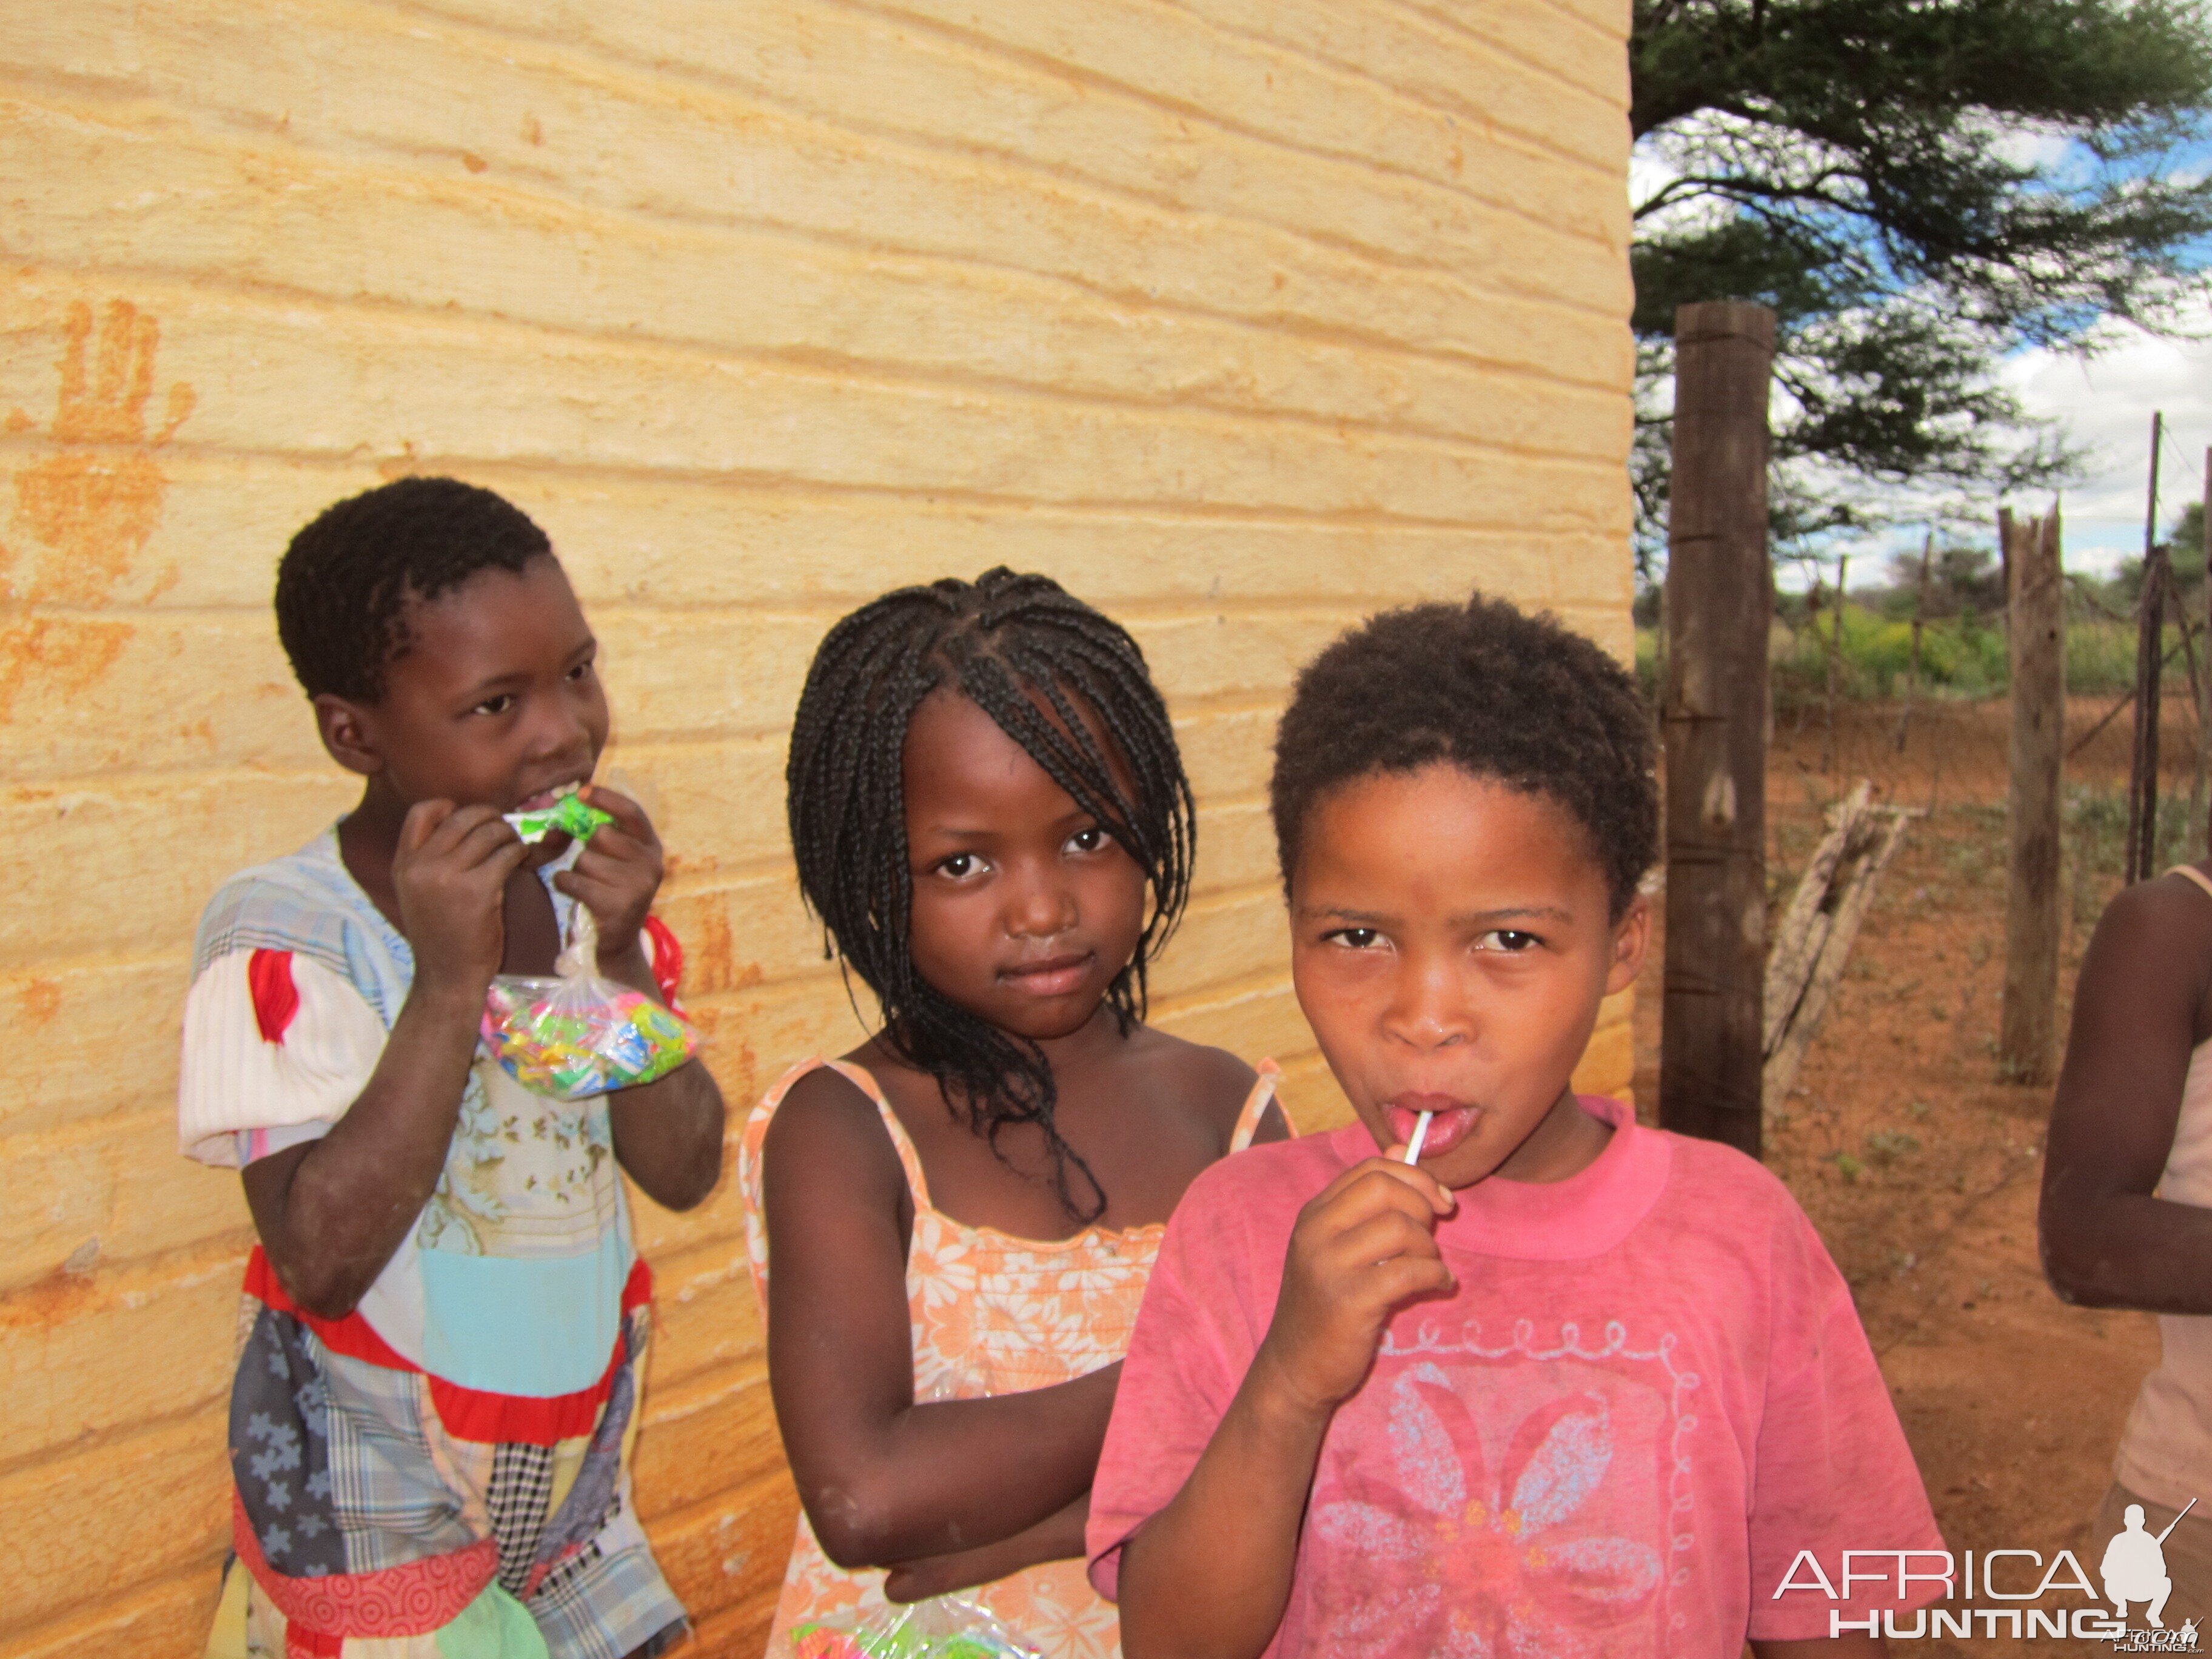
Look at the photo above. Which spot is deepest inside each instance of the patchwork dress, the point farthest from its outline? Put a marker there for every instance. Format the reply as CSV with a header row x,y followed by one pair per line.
x,y
443,1473
990,1314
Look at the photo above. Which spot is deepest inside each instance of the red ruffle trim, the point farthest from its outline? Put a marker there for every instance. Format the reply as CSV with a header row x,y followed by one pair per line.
x,y
471,1414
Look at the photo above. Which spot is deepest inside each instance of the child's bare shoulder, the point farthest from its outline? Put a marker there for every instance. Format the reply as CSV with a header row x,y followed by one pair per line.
x,y
826,1119
2171,914
1210,1083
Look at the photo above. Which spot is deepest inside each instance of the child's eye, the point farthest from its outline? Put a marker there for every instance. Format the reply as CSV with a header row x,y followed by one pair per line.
x,y
581,672
1357,939
960,865
1088,840
498,705
1512,940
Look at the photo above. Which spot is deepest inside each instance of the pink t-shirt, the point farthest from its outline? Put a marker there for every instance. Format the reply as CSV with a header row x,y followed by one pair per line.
x,y
1649,1393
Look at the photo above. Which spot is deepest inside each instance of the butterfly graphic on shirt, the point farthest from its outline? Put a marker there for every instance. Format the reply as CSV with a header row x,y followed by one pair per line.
x,y
1512,1510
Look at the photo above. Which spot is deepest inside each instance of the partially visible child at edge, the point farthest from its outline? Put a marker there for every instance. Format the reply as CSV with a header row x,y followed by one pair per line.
x,y
2127,1223
1568,1385
445,1317
992,821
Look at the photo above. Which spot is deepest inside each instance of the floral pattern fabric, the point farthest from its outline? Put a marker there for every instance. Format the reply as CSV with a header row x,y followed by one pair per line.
x,y
990,1314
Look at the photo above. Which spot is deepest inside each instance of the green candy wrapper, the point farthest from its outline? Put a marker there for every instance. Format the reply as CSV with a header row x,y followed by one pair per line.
x,y
572,815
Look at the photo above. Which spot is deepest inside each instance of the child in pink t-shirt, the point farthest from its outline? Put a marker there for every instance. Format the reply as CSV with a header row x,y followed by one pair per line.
x,y
1565,1386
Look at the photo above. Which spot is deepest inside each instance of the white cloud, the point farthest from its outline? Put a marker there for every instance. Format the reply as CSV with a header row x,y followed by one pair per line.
x,y
2026,146
2105,403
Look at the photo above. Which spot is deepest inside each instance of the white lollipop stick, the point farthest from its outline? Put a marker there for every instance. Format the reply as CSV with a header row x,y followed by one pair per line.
x,y
1420,1134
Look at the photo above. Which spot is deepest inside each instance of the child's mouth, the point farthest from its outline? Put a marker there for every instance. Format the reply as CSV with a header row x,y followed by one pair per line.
x,y
1054,977
545,798
1450,1124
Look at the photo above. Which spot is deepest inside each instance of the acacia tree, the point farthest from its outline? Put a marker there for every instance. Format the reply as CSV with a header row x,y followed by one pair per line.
x,y
1919,187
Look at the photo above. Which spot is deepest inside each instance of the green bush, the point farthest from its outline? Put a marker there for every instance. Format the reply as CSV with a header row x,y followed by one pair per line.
x,y
1647,662
1959,657
2100,655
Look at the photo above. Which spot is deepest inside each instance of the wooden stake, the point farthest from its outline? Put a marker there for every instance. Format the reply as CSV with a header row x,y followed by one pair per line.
x,y
1802,928
1919,611
1835,663
2027,1043
2203,847
2150,640
1715,714
1834,913
2197,696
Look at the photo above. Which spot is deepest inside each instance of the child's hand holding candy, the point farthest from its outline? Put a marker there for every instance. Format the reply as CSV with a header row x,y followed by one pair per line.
x,y
449,873
616,875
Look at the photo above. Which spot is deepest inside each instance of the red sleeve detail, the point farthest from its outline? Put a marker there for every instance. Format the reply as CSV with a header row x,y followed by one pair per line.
x,y
276,999
667,959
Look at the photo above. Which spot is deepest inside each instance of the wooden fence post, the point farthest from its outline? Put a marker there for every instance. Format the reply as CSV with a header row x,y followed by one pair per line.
x,y
2150,669
1717,716
2200,831
2028,1042
1920,615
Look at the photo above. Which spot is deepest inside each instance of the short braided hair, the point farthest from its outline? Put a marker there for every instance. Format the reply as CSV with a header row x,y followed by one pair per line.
x,y
1492,690
345,584
1003,641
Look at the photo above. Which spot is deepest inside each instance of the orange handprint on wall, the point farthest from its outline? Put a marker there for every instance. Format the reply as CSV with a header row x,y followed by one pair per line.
x,y
88,508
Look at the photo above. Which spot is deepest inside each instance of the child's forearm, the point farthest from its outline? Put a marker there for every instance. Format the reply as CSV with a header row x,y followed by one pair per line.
x,y
945,1476
2127,1250
667,1133
332,1212
1209,1575
1058,1537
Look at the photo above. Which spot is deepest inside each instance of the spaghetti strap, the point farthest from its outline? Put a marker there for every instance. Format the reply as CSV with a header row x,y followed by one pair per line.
x,y
2193,873
1256,1107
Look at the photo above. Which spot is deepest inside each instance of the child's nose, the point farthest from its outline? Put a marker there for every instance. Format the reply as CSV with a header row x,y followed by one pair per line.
x,y
559,728
1427,1010
1038,905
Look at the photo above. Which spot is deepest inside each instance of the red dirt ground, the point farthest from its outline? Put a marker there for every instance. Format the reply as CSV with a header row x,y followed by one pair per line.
x,y
1918,1165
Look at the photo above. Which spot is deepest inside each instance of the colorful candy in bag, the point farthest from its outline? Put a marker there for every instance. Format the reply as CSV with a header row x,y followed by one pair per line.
x,y
581,1034
943,1627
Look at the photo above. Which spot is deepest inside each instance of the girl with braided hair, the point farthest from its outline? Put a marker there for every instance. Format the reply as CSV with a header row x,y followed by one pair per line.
x,y
991,819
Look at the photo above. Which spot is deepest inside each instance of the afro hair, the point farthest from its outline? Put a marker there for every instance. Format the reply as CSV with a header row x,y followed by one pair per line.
x,y
1488,688
345,584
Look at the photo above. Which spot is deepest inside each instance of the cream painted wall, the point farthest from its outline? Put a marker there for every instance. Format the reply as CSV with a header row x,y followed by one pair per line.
x,y
1240,317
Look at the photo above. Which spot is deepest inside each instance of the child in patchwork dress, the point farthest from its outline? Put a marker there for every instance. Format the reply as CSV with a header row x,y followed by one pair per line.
x,y
445,1318
952,1226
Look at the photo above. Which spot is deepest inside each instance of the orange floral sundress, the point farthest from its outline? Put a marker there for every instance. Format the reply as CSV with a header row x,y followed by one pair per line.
x,y
991,1314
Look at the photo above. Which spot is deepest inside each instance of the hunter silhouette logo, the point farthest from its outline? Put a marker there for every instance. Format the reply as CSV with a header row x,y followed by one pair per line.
x,y
2133,1569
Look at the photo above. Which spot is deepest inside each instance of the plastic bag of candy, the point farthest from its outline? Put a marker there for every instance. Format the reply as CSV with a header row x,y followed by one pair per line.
x,y
942,1627
581,1034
